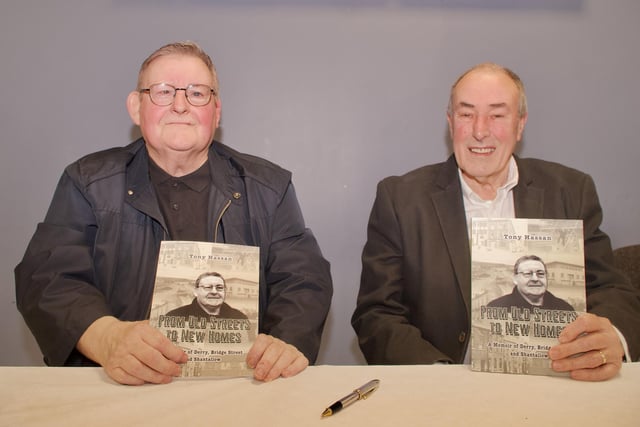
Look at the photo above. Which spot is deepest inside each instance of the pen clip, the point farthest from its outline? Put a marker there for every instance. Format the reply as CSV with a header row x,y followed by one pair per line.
x,y
364,392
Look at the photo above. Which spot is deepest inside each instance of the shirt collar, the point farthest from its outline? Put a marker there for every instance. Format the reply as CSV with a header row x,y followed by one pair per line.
x,y
512,181
197,180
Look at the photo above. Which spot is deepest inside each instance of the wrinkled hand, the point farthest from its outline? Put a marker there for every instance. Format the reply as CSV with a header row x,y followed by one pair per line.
x,y
131,353
271,358
589,348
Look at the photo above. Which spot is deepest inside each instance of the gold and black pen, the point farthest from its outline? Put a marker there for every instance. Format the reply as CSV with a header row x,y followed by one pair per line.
x,y
360,393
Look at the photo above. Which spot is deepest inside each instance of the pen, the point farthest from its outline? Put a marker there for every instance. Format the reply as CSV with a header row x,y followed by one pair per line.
x,y
361,392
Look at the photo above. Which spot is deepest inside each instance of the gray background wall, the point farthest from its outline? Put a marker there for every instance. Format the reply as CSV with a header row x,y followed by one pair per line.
x,y
343,93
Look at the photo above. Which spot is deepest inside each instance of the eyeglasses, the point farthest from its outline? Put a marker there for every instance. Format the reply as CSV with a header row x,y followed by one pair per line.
x,y
163,94
541,274
209,288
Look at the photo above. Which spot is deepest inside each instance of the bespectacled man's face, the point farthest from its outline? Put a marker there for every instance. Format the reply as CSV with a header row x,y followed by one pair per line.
x,y
485,125
210,292
178,130
531,279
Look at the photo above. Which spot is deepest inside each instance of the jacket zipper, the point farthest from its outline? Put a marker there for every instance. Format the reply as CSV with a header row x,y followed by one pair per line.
x,y
215,230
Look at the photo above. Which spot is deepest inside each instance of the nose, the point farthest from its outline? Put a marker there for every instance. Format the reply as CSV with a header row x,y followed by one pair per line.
x,y
481,127
180,103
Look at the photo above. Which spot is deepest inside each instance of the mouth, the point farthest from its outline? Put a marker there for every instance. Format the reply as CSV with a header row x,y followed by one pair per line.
x,y
482,150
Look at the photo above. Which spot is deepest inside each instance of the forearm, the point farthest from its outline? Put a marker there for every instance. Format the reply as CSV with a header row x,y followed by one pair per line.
x,y
94,341
298,285
299,299
390,340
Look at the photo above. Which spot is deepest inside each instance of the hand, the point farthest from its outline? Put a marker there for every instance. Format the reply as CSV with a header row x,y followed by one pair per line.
x,y
271,358
589,348
131,352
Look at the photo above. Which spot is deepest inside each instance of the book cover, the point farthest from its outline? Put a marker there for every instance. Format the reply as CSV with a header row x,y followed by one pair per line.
x,y
527,284
206,301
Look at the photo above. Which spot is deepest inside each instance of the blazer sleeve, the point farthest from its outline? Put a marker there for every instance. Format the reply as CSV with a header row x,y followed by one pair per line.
x,y
609,293
381,319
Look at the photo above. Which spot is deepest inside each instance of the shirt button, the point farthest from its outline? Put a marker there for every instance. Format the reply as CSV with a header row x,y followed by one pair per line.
x,y
462,336
175,206
175,185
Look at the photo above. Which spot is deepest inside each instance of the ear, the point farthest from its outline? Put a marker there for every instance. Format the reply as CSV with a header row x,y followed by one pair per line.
x,y
217,111
449,120
133,107
521,123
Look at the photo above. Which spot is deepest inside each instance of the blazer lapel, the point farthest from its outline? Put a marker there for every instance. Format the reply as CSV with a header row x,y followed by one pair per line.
x,y
528,199
450,210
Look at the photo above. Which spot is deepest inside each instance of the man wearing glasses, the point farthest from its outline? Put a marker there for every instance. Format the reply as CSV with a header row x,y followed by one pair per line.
x,y
85,284
210,293
530,290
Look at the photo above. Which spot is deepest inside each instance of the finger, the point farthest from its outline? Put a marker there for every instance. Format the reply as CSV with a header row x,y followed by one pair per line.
x,y
588,360
257,349
132,372
286,357
136,354
121,376
299,365
601,373
156,362
165,353
269,357
584,324
280,359
575,348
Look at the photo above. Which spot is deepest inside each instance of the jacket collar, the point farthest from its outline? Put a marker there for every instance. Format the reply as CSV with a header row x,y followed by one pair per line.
x,y
447,199
528,197
139,190
450,210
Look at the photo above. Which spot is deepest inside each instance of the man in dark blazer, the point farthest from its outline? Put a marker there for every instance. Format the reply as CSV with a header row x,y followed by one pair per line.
x,y
414,301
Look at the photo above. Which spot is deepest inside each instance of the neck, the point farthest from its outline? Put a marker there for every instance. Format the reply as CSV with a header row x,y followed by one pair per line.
x,y
485,188
214,311
179,163
533,300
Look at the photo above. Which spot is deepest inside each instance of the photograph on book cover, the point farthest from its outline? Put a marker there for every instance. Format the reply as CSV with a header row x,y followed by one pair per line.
x,y
527,284
206,301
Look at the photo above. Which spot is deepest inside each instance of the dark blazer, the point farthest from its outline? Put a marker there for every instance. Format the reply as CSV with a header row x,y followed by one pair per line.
x,y
415,291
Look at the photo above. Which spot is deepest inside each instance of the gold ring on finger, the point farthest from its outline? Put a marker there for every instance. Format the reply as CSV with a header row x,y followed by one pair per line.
x,y
603,356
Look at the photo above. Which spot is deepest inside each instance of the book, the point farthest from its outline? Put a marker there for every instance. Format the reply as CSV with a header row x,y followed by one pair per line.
x,y
527,284
205,300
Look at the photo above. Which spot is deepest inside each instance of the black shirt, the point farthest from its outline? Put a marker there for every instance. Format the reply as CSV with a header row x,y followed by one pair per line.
x,y
183,201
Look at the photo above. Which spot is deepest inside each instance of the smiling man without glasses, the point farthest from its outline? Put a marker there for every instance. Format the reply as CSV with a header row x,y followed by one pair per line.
x,y
415,290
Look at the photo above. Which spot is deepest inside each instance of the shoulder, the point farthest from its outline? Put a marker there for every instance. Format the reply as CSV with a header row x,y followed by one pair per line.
x,y
104,164
425,177
556,303
506,300
254,168
229,312
544,170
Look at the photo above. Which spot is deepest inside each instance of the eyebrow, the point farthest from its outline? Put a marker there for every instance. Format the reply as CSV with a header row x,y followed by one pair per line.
x,y
496,105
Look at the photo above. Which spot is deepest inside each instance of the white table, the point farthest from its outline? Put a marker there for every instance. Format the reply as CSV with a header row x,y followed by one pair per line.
x,y
408,396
